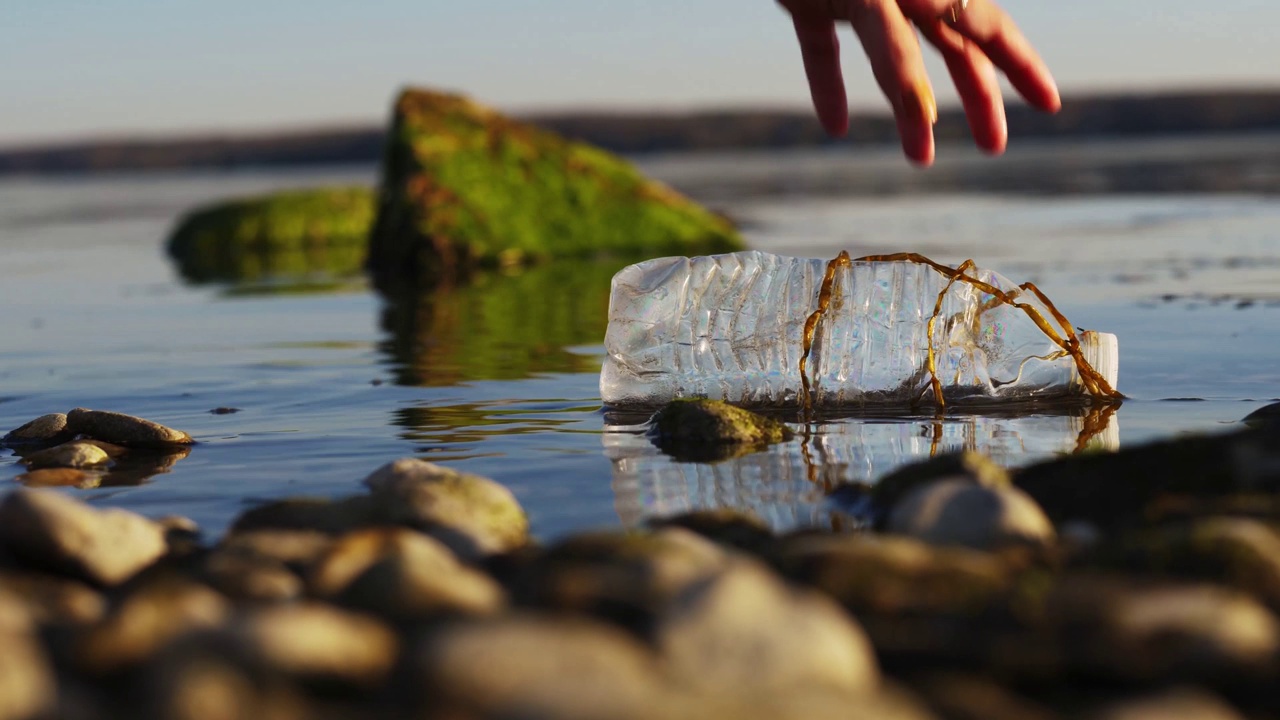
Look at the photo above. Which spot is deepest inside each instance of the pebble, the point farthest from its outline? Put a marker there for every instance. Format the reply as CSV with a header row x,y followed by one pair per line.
x,y
298,550
323,644
60,477
53,600
965,466
27,685
44,429
473,515
54,531
402,575
144,621
122,429
67,455
332,517
745,628
959,512
252,578
535,666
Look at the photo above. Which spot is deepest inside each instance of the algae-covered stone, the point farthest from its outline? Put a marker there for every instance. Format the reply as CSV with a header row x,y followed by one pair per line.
x,y
684,426
464,186
285,234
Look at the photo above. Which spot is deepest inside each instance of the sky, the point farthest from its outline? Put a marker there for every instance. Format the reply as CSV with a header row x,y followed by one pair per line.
x,y
79,69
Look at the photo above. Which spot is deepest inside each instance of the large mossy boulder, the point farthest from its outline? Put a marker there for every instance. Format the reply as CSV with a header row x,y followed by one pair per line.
x,y
465,187
291,234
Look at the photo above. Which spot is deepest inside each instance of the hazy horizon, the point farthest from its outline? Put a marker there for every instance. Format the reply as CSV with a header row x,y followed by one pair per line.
x,y
148,68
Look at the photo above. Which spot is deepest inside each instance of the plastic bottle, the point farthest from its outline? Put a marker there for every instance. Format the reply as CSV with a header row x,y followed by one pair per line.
x,y
764,330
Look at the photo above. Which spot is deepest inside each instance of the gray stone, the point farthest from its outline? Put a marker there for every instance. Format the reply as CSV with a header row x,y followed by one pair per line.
x,y
530,666
52,530
958,512
403,575
122,429
144,622
745,627
1176,704
315,642
60,477
43,429
27,688
67,455
473,515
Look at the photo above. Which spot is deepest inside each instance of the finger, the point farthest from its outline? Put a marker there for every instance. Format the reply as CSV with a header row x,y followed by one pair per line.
x,y
976,82
894,52
988,26
820,49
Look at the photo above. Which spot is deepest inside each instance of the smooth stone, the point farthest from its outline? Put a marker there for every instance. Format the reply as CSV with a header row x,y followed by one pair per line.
x,y
296,549
121,429
67,455
27,685
315,642
959,512
45,428
888,703
473,515
402,575
884,575
251,578
534,666
746,628
333,517
60,477
145,621
1175,704
52,600
968,465
55,531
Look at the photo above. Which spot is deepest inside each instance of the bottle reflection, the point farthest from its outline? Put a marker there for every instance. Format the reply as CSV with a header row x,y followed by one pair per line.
x,y
786,485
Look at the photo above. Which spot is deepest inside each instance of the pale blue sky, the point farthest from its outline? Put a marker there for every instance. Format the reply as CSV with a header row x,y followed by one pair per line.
x,y
74,68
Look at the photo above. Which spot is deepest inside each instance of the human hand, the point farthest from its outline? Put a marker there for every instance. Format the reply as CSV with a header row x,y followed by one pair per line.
x,y
973,40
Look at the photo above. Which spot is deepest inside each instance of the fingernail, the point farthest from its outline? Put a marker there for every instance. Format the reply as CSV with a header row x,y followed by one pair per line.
x,y
918,101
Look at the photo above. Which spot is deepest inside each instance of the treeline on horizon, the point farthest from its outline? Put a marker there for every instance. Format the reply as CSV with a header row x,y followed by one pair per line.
x,y
637,133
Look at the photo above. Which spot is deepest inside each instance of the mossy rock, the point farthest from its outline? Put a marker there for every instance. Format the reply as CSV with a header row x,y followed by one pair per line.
x,y
464,187
290,234
712,430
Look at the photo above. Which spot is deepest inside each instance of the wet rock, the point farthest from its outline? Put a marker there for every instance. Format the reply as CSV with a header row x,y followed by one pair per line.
x,y
60,477
319,643
465,187
144,621
402,575
895,576
683,425
528,666
45,429
1267,415
67,455
959,512
252,578
967,466
298,550
27,686
51,530
744,627
727,526
1139,631
627,578
473,515
332,517
53,600
121,429
1177,704
112,450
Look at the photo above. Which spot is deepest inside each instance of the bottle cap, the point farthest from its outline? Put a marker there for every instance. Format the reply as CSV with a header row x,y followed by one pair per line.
x,y
1102,352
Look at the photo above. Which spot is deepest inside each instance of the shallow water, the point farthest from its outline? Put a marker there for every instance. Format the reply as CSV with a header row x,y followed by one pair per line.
x,y
500,378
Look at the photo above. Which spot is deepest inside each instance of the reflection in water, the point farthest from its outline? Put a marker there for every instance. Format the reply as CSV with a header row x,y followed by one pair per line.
x,y
786,484
500,327
130,467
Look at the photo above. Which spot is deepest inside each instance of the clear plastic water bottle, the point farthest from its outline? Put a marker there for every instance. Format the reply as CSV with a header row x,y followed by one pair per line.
x,y
758,329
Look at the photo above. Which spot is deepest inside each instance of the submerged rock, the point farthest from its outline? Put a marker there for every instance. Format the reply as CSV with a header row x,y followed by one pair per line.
x,y
50,530
465,187
293,233
121,429
44,429
958,512
689,428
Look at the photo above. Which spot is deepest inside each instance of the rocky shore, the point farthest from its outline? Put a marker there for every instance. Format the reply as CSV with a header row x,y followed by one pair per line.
x,y
1138,584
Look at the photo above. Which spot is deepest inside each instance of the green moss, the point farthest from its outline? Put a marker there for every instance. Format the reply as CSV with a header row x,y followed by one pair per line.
x,y
292,234
466,187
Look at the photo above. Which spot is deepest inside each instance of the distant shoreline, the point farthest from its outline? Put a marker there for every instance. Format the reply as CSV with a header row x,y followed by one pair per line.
x,y
637,133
